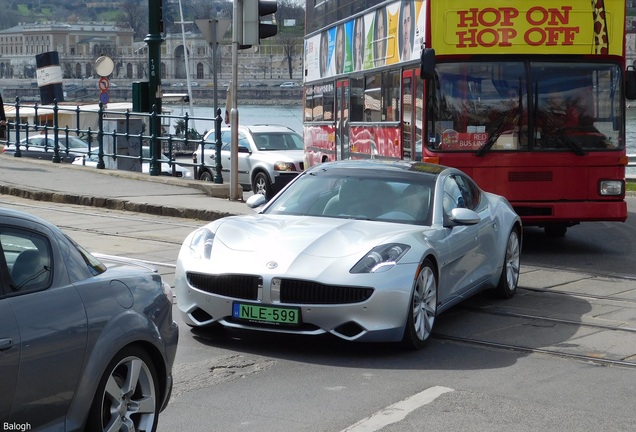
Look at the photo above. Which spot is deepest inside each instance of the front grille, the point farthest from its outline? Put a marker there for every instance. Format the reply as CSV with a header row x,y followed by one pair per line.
x,y
530,176
294,291
302,166
236,286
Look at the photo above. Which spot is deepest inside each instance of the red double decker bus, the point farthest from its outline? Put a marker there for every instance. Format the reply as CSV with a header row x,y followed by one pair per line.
x,y
527,97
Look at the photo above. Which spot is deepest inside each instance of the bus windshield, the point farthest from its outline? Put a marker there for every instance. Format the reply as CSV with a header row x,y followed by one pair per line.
x,y
525,106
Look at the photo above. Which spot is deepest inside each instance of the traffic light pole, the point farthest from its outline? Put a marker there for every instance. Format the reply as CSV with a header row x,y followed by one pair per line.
x,y
237,25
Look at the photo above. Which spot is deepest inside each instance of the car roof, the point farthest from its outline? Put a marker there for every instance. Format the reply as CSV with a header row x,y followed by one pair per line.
x,y
423,168
18,214
256,129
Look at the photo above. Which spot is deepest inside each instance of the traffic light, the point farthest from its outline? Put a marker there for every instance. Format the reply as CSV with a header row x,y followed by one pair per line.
x,y
253,29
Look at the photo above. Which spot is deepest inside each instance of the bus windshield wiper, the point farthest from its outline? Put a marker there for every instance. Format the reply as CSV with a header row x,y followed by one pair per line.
x,y
497,133
565,139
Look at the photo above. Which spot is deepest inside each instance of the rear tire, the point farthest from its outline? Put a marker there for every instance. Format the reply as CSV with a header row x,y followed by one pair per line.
x,y
422,308
510,272
128,395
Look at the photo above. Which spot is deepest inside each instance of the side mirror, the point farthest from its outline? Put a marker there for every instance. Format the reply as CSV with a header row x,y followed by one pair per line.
x,y
427,63
462,216
630,83
243,149
256,200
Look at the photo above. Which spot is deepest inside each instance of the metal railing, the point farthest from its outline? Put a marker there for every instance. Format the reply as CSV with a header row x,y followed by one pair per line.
x,y
103,141
109,133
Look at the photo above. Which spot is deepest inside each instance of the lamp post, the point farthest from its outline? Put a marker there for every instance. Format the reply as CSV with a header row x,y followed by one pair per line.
x,y
154,41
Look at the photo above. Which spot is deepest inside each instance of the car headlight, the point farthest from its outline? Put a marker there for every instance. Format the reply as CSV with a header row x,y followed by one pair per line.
x,y
611,187
201,244
284,166
380,258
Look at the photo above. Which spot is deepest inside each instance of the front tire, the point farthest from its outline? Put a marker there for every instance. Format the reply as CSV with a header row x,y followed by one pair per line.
x,y
206,176
261,185
127,396
423,308
510,272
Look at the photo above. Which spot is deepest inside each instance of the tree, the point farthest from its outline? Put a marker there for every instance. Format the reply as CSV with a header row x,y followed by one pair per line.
x,y
292,47
134,14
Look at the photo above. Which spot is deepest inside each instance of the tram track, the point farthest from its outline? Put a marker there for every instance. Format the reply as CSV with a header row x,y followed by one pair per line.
x,y
504,313
518,348
583,295
625,332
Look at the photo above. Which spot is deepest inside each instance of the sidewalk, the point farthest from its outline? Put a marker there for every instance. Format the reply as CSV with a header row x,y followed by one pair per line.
x,y
44,180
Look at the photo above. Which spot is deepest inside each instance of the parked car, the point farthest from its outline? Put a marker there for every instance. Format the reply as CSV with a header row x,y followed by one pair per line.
x,y
290,84
364,250
86,343
42,146
166,168
269,157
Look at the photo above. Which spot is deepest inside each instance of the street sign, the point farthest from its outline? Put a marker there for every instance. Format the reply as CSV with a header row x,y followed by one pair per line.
x,y
104,66
213,29
103,84
103,97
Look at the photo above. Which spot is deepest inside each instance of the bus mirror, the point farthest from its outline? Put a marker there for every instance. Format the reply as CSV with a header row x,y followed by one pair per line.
x,y
630,83
427,63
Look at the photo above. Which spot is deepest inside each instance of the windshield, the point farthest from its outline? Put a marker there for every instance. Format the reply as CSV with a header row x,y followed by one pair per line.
x,y
74,143
278,141
353,195
526,106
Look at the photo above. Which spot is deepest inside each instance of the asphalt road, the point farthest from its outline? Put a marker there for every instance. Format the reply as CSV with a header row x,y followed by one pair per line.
x,y
245,381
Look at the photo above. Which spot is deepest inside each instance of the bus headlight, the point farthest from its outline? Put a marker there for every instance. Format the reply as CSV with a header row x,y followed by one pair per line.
x,y
611,187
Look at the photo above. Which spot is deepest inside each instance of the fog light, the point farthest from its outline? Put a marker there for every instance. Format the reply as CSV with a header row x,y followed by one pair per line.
x,y
612,187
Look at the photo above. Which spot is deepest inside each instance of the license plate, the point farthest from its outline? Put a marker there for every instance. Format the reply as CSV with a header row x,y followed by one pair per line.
x,y
266,314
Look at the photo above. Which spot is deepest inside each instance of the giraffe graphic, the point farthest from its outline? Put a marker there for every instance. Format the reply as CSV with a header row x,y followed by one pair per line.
x,y
601,38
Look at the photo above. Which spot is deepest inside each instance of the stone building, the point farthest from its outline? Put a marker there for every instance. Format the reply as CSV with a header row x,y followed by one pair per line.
x,y
79,45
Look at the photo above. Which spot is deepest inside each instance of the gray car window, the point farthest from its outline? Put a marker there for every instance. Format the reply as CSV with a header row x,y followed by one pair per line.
x,y
28,258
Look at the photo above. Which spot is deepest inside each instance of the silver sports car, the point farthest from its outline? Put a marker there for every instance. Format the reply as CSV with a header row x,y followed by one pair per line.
x,y
364,250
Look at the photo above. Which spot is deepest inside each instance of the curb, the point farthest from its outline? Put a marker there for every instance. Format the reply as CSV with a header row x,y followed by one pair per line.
x,y
112,204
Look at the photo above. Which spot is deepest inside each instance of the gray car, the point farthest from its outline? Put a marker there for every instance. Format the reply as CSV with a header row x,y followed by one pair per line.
x,y
269,157
85,343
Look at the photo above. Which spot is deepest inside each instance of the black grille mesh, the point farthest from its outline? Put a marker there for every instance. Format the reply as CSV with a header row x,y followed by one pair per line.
x,y
294,291
236,286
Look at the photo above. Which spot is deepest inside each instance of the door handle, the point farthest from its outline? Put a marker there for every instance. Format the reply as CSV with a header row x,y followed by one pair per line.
x,y
5,344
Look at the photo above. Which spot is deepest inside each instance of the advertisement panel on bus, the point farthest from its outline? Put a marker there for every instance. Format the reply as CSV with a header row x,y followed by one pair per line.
x,y
528,27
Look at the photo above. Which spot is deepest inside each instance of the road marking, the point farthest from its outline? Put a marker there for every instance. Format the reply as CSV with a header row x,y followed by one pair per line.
x,y
398,411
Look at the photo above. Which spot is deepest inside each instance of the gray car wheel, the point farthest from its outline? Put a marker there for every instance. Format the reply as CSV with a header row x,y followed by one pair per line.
x,y
423,308
512,263
127,396
261,185
206,176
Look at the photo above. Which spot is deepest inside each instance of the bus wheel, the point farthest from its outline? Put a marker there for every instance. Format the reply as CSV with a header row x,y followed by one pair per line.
x,y
556,230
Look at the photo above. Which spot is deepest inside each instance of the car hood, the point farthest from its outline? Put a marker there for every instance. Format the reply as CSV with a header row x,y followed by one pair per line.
x,y
280,156
299,245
